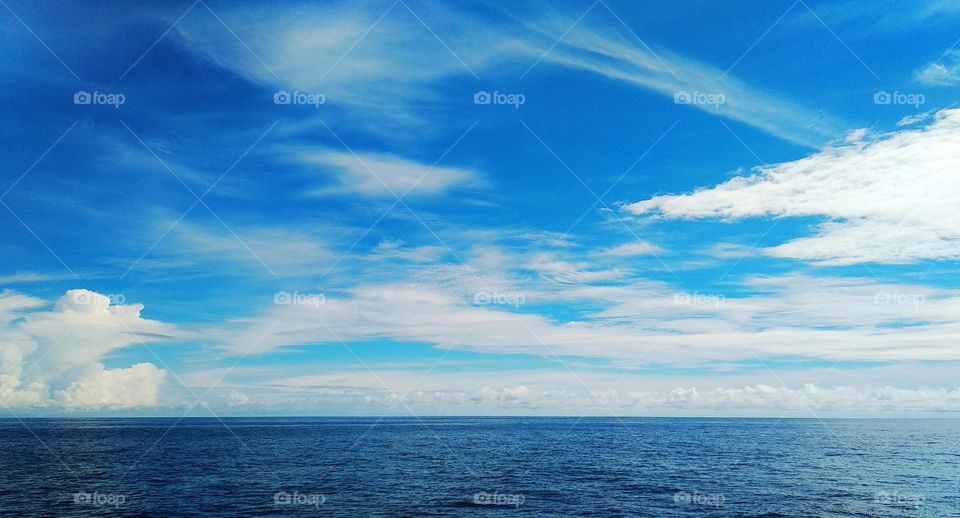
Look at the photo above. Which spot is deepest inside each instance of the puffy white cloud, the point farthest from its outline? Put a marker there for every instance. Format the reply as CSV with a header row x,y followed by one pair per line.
x,y
890,199
102,388
51,357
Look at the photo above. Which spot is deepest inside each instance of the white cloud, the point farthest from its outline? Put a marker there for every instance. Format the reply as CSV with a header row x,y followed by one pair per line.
x,y
649,322
636,249
52,357
943,72
376,59
581,390
266,249
617,55
808,397
380,67
395,249
31,277
237,398
103,388
891,199
381,175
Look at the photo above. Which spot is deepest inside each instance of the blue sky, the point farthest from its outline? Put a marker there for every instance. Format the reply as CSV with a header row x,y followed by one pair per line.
x,y
570,208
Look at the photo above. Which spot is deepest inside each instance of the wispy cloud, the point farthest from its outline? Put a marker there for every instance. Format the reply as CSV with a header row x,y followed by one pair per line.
x,y
943,72
890,199
383,175
621,57
374,62
636,249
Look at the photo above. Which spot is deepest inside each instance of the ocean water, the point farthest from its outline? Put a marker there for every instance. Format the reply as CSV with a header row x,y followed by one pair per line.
x,y
479,467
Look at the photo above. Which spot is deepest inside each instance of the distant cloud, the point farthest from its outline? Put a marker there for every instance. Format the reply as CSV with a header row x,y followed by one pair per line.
x,y
103,388
383,175
636,249
51,358
585,391
732,251
943,72
393,249
29,277
269,250
891,199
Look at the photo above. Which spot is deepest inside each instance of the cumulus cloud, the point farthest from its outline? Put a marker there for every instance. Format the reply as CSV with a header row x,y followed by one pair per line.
x,y
101,388
890,199
51,357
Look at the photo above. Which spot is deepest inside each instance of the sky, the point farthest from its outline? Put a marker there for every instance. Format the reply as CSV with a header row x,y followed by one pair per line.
x,y
549,208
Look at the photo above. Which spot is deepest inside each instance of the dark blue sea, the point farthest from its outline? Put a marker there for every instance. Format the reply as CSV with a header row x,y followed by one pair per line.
x,y
479,467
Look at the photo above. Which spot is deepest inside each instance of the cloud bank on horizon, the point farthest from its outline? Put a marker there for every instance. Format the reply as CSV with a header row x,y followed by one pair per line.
x,y
552,208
